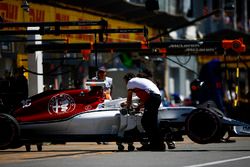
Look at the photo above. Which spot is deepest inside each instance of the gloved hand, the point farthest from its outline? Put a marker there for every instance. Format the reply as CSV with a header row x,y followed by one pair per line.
x,y
123,104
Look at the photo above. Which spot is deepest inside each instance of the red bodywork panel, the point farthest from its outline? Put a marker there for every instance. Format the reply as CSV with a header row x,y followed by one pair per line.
x,y
57,105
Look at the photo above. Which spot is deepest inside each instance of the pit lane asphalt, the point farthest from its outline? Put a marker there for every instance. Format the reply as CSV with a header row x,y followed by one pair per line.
x,y
187,154
63,150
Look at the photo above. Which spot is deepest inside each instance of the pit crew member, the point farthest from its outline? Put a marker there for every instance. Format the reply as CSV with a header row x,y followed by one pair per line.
x,y
150,99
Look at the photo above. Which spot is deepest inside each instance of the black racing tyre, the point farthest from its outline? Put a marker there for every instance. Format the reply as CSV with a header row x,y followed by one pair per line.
x,y
224,129
16,144
203,126
9,131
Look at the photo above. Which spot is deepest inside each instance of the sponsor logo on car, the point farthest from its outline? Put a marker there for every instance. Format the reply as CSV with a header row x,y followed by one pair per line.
x,y
61,103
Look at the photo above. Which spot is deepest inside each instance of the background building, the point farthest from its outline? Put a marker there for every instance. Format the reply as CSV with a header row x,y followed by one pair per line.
x,y
172,17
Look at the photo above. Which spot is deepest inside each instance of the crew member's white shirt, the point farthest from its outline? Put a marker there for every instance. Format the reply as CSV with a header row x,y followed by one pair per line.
x,y
143,84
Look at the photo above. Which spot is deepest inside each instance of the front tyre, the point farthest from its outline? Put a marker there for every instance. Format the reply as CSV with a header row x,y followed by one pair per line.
x,y
9,131
203,126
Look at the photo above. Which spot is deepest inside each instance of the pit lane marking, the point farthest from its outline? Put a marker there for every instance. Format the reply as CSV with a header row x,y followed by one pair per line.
x,y
219,162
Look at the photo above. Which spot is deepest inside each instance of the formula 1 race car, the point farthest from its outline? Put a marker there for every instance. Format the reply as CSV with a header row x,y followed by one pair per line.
x,y
83,115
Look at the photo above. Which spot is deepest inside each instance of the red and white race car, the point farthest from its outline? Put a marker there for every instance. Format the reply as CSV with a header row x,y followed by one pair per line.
x,y
80,115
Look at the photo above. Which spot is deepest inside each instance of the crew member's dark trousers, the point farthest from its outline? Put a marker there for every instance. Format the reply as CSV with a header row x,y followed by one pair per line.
x,y
150,120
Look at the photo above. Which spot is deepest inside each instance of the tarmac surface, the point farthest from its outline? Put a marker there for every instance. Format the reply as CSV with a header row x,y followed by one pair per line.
x,y
60,150
90,154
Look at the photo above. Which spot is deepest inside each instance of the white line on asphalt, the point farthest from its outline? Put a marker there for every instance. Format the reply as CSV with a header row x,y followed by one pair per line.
x,y
219,162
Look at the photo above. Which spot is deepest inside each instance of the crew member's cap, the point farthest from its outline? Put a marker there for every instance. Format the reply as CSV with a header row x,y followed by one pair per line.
x,y
102,69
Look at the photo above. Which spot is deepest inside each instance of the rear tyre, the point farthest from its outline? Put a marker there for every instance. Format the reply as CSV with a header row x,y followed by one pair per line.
x,y
203,126
16,144
9,130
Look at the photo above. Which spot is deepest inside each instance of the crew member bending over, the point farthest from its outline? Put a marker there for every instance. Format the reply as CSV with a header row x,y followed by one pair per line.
x,y
150,99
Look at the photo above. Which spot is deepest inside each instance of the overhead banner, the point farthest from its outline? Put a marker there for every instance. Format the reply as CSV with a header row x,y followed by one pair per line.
x,y
11,11
231,60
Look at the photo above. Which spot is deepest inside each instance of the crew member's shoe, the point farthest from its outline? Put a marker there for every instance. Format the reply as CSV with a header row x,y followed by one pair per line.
x,y
227,140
